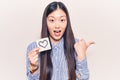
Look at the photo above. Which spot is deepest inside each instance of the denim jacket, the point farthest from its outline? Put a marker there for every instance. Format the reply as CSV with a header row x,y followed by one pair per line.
x,y
60,68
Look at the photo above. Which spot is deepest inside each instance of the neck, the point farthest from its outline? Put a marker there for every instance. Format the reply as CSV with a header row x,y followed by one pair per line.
x,y
55,42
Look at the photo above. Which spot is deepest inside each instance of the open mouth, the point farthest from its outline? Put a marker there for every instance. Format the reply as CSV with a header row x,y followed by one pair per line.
x,y
57,32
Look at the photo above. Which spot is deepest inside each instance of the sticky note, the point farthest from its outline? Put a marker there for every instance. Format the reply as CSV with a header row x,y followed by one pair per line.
x,y
43,44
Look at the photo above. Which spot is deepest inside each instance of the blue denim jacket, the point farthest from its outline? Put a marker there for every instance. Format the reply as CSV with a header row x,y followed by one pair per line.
x,y
60,69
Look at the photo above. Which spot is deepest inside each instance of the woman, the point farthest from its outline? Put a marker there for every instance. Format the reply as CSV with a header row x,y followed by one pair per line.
x,y
67,58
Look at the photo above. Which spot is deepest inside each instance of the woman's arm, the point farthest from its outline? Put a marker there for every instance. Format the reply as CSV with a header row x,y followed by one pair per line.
x,y
81,61
82,71
32,70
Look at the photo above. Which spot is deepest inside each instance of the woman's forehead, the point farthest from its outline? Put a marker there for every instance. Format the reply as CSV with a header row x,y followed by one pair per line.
x,y
58,13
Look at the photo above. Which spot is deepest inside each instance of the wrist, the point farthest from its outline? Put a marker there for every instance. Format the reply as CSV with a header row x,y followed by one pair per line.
x,y
33,68
81,58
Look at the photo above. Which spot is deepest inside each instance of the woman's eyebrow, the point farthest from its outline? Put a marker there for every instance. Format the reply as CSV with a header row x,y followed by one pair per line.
x,y
62,16
51,16
54,17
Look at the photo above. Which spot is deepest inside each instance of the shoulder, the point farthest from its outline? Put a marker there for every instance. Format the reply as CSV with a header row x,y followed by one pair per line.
x,y
31,46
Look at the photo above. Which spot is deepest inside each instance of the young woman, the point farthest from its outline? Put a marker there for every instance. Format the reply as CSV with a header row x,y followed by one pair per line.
x,y
67,58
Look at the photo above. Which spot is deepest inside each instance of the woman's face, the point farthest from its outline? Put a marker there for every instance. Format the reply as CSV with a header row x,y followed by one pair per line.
x,y
57,22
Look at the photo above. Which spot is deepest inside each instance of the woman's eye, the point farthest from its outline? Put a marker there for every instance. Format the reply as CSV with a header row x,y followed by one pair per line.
x,y
51,20
62,20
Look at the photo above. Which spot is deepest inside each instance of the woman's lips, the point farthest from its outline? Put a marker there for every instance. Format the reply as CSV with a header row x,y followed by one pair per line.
x,y
57,33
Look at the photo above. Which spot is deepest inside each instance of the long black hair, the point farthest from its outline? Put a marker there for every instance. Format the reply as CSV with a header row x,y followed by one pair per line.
x,y
46,67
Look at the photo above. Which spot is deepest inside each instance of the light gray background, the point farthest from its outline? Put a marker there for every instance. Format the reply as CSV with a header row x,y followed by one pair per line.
x,y
98,20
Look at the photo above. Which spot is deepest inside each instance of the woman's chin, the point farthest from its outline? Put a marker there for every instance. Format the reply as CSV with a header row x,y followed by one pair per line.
x,y
56,38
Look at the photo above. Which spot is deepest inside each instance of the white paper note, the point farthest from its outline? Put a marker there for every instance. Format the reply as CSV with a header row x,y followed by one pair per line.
x,y
43,44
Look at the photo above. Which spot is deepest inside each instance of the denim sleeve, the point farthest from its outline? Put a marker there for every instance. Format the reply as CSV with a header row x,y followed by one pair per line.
x,y
28,73
82,69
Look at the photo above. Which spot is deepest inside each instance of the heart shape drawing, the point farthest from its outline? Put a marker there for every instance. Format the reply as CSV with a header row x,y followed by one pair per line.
x,y
43,43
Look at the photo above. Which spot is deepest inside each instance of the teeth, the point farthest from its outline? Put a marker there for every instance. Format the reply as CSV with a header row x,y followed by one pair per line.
x,y
57,31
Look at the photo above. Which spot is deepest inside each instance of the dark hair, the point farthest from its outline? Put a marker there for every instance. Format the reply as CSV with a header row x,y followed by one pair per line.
x,y
46,67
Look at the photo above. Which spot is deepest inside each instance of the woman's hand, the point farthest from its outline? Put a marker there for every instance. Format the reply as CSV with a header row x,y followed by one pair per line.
x,y
81,47
33,57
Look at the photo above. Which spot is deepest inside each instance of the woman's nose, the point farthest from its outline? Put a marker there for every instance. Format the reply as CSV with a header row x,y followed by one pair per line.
x,y
57,25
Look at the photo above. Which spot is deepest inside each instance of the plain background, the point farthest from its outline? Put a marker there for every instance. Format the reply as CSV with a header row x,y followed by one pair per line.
x,y
98,20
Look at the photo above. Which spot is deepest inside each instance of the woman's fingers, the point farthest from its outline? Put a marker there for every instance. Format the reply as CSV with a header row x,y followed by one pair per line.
x,y
33,52
81,47
36,49
33,56
34,59
89,43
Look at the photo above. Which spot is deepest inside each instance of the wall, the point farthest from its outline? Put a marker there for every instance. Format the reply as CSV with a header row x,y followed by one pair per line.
x,y
98,20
